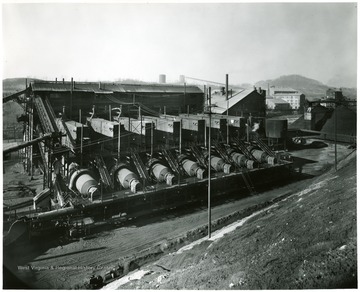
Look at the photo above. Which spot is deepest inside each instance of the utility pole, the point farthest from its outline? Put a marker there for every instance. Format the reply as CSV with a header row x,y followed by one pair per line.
x,y
227,108
120,108
209,168
205,101
335,138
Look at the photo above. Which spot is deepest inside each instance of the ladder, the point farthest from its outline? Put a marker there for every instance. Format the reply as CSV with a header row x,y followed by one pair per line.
x,y
71,143
43,115
51,113
240,144
263,146
248,183
44,165
104,173
140,166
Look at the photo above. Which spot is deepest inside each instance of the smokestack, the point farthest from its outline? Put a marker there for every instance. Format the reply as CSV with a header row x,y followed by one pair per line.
x,y
182,78
63,80
162,78
72,84
55,80
99,85
227,86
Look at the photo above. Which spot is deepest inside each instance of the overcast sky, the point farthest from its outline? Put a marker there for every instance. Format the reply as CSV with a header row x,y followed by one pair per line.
x,y
250,42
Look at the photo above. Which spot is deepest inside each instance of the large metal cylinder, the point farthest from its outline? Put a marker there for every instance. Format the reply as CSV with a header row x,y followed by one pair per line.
x,y
84,183
161,172
192,168
219,164
262,156
128,179
242,161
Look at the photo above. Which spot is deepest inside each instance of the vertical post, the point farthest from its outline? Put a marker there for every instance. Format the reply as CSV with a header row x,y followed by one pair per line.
x,y
205,102
152,138
71,97
119,135
31,136
164,110
180,136
209,168
79,115
81,144
227,108
185,94
335,138
109,112
141,127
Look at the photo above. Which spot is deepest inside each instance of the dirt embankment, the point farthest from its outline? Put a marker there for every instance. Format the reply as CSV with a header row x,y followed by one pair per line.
x,y
306,241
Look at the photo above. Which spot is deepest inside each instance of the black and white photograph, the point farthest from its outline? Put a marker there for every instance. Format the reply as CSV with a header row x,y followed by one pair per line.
x,y
179,146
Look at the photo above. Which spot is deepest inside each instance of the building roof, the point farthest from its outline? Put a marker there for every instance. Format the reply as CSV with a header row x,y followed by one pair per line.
x,y
220,103
286,89
276,101
112,87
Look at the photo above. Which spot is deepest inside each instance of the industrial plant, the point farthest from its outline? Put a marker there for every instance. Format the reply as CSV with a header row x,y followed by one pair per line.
x,y
109,152
108,148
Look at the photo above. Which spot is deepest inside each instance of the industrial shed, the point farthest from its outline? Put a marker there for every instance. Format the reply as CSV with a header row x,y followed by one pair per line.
x,y
247,102
277,104
69,97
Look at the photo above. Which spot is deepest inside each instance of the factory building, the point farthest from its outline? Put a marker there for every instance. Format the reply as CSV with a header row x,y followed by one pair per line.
x,y
277,104
295,98
244,103
69,97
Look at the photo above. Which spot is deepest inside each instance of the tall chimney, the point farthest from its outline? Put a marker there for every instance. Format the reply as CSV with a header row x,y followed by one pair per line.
x,y
227,86
182,79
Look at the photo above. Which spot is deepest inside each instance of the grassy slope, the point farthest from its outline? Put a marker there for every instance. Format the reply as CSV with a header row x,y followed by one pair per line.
x,y
306,241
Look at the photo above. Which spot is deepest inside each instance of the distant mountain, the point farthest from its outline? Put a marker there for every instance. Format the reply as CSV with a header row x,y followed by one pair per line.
x,y
310,87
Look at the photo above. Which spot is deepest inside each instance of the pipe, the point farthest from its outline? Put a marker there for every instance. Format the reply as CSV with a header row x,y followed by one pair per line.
x,y
161,172
26,144
128,179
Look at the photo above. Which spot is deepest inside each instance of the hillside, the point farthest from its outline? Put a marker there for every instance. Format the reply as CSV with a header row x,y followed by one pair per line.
x,y
305,241
13,85
310,87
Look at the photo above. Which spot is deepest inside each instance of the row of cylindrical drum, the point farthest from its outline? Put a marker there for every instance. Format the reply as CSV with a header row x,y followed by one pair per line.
x,y
82,180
